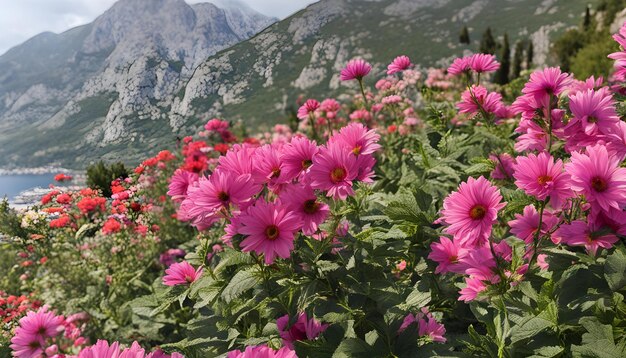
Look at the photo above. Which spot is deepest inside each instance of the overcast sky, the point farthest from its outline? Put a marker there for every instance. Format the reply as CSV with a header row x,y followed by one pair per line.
x,y
22,19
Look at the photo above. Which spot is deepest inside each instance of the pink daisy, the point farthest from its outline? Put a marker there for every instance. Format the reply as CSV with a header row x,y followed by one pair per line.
x,y
524,226
593,112
221,190
181,273
302,201
459,66
355,70
541,177
267,167
399,64
476,98
598,177
545,83
471,211
309,107
484,63
447,254
333,170
428,326
237,160
357,139
473,287
298,156
504,166
579,233
303,329
262,351
29,339
270,230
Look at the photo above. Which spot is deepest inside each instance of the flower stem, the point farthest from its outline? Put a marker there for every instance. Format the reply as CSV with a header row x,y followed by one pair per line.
x,y
363,93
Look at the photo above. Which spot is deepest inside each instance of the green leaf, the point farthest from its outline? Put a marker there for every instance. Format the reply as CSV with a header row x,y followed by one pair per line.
x,y
529,328
240,283
615,270
353,347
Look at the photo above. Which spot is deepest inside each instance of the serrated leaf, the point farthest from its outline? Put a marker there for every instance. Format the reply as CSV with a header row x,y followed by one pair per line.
x,y
240,283
615,270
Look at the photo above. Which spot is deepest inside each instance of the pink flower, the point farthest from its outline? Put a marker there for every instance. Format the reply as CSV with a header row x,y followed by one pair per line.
x,y
101,350
545,83
471,211
181,273
399,64
267,167
302,201
448,254
473,287
297,156
270,230
218,192
428,326
476,99
34,329
262,351
504,166
355,70
238,160
541,177
303,329
459,66
333,170
356,138
481,62
393,99
524,226
598,177
179,183
579,233
593,112
309,107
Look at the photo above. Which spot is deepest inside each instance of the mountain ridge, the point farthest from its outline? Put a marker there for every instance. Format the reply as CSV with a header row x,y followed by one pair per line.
x,y
126,112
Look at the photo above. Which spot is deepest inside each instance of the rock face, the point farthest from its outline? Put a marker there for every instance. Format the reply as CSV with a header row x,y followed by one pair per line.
x,y
109,79
148,71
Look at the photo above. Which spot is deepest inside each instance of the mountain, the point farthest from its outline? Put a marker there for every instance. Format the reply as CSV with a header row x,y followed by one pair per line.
x,y
70,97
122,105
258,79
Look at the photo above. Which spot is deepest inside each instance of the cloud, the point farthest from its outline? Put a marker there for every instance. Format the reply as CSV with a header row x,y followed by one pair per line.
x,y
23,19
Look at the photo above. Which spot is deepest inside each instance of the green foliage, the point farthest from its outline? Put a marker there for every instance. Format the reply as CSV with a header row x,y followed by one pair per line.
x,y
100,176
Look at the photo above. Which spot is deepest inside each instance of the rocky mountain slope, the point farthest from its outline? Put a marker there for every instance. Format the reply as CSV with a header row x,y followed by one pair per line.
x,y
69,97
125,107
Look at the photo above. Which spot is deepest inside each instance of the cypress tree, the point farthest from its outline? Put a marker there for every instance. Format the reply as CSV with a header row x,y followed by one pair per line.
x,y
529,55
502,75
587,19
464,36
518,58
487,43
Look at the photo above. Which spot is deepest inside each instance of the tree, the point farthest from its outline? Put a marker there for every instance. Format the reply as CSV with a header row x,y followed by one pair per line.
x,y
587,19
487,43
100,176
502,75
464,37
529,55
518,58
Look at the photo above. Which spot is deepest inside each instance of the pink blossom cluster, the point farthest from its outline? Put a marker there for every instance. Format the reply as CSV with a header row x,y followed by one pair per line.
x,y
427,325
43,333
269,193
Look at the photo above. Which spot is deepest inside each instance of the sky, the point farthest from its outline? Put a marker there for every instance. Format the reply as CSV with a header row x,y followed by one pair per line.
x,y
22,19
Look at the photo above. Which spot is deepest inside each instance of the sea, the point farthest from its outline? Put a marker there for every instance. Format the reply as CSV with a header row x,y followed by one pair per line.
x,y
11,186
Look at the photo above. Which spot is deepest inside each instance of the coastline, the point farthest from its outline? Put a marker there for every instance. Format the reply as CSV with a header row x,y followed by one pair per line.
x,y
37,170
